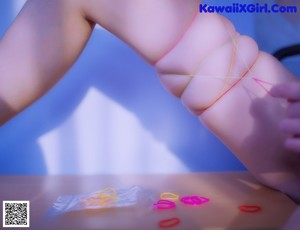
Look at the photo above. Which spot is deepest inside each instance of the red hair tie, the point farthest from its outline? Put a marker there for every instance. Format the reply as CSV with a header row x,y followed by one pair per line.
x,y
250,208
169,223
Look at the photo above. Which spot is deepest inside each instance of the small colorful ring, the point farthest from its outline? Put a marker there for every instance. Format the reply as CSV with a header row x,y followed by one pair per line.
x,y
107,192
250,208
169,196
169,223
164,204
194,200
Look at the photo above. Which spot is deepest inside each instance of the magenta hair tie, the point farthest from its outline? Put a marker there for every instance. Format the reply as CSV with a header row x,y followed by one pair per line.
x,y
164,204
250,208
194,200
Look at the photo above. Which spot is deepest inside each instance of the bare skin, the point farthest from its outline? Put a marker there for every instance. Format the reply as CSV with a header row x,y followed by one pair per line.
x,y
199,58
290,124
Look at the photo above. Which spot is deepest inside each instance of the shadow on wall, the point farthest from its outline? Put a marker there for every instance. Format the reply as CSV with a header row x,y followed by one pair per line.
x,y
115,71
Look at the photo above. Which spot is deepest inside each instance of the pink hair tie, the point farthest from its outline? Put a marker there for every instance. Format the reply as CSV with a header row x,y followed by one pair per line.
x,y
194,200
164,204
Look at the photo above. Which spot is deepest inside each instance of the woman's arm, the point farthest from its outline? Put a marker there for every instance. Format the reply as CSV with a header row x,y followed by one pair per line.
x,y
48,35
39,47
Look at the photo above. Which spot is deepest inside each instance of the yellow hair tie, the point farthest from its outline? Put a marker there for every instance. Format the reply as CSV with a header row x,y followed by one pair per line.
x,y
169,196
107,194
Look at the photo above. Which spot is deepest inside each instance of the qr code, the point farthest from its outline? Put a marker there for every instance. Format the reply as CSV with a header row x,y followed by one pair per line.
x,y
15,214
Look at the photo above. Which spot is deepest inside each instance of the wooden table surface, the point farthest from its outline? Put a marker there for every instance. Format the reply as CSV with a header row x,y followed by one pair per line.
x,y
226,191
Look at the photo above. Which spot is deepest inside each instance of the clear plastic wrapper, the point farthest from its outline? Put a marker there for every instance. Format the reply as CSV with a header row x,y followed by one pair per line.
x,y
103,199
